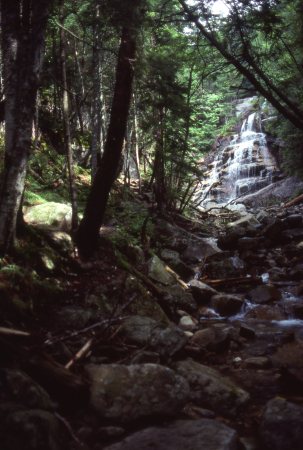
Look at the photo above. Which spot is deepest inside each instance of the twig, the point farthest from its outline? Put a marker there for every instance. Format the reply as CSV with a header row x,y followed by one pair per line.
x,y
80,354
85,330
12,332
69,429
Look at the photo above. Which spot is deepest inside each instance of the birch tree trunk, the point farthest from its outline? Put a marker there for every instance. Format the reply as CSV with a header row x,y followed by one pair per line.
x,y
23,24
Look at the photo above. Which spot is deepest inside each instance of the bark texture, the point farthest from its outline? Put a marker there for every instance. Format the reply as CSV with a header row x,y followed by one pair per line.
x,y
88,231
23,25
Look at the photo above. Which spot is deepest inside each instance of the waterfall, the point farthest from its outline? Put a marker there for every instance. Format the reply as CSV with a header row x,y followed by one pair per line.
x,y
243,166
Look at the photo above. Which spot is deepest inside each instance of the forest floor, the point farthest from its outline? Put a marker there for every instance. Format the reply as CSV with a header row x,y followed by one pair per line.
x,y
178,333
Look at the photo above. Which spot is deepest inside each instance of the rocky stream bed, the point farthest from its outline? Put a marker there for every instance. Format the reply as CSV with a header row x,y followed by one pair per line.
x,y
195,341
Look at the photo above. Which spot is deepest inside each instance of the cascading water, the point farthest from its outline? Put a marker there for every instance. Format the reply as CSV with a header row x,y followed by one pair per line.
x,y
243,166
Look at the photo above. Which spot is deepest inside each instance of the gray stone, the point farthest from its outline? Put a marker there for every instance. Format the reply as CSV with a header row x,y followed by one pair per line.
x,y
127,393
224,266
282,425
210,389
32,429
293,221
170,256
187,323
212,338
227,305
74,317
200,250
275,193
51,215
249,221
183,434
165,339
202,293
181,298
19,387
264,294
157,271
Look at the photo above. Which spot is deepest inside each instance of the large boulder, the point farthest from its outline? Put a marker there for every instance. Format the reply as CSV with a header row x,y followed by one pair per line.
x,y
180,435
147,332
224,266
199,250
264,294
227,305
158,272
32,429
282,425
210,389
50,215
22,389
275,193
202,292
247,222
127,393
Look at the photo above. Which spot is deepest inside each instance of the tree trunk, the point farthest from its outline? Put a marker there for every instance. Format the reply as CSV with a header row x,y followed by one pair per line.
x,y
23,26
66,127
97,106
88,232
159,167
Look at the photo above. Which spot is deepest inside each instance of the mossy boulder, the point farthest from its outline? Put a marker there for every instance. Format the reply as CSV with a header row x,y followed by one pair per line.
x,y
51,215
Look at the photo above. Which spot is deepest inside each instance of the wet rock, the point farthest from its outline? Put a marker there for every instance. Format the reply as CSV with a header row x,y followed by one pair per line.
x,y
127,393
264,294
20,388
51,215
282,425
32,429
210,389
213,339
187,323
264,312
224,266
166,340
189,434
227,305
202,292
199,251
158,272
275,193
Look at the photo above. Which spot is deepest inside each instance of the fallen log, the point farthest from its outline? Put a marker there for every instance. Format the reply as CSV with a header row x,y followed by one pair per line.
x,y
239,280
294,201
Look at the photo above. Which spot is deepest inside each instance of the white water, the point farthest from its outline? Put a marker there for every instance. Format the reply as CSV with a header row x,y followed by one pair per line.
x,y
243,166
